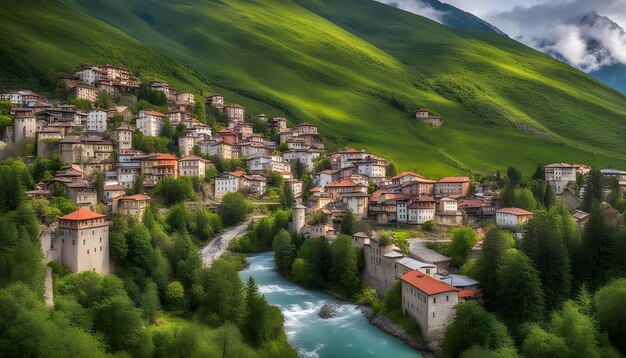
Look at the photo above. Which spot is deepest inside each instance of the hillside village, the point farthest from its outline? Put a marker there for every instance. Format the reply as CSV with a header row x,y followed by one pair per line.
x,y
105,173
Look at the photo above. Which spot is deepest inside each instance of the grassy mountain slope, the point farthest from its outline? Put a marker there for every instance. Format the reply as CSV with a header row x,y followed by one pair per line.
x,y
357,68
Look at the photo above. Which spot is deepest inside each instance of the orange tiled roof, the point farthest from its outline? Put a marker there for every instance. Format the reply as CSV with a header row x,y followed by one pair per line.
x,y
81,214
514,211
427,284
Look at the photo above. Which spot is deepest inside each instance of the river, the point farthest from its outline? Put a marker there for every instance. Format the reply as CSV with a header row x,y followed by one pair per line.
x,y
348,334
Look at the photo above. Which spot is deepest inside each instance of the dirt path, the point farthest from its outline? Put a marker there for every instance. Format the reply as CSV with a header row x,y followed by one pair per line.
x,y
218,245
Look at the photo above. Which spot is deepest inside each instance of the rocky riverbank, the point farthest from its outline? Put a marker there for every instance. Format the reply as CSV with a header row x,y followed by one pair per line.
x,y
387,325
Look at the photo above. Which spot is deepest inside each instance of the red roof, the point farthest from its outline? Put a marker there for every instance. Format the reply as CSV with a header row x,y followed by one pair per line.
x,y
454,180
341,183
162,156
81,214
428,285
470,293
237,173
514,211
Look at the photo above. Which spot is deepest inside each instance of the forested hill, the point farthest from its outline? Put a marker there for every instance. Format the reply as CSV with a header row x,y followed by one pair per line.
x,y
356,68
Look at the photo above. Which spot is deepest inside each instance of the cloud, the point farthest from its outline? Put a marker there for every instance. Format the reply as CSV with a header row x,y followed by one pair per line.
x,y
416,7
571,31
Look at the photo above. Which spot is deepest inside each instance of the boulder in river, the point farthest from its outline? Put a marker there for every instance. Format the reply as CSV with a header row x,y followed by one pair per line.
x,y
329,310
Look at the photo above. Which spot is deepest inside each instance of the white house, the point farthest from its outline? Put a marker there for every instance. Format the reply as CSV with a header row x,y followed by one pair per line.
x,y
511,217
97,120
193,166
558,175
19,98
150,122
421,210
228,182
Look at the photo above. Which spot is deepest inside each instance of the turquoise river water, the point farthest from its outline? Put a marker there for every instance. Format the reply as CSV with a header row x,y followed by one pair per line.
x,y
346,335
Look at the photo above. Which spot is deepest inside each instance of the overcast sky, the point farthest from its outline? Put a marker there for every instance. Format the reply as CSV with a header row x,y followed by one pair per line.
x,y
552,26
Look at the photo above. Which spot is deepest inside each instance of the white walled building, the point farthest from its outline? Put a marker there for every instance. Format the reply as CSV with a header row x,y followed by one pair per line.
x,y
558,175
150,123
511,217
193,166
229,182
123,137
97,120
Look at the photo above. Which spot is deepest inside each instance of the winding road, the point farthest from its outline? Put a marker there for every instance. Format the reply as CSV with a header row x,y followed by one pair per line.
x,y
219,244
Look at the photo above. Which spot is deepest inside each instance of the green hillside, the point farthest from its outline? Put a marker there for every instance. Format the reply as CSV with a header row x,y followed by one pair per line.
x,y
356,68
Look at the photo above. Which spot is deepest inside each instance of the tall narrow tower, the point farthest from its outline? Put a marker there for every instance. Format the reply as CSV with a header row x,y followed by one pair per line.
x,y
298,217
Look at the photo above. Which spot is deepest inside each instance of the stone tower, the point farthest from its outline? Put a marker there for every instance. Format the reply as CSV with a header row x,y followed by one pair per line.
x,y
24,125
85,241
298,218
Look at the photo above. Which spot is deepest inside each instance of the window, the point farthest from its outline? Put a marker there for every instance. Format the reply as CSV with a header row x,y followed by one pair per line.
x,y
434,299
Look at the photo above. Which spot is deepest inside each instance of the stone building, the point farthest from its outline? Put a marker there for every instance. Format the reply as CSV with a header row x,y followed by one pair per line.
x,y
133,205
80,242
24,124
429,301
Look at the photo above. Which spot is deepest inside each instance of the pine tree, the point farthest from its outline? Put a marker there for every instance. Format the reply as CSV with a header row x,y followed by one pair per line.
x,y
597,245
519,288
298,169
544,246
549,199
593,188
255,314
494,247
348,223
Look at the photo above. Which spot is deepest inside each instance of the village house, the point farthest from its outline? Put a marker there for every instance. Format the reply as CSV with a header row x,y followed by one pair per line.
x,y
97,120
447,186
423,116
215,101
421,210
45,141
448,213
120,110
193,166
255,184
123,137
170,93
429,301
234,113
295,186
88,93
508,218
229,182
92,153
418,186
186,142
559,175
619,175
155,167
262,163
326,177
89,75
385,264
19,98
373,168
80,242
357,201
185,99
335,189
279,124
405,177
82,193
133,205
150,122
306,157
128,167
110,191
177,116
219,148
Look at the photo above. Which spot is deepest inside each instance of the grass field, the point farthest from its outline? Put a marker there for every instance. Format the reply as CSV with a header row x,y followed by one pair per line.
x,y
356,68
